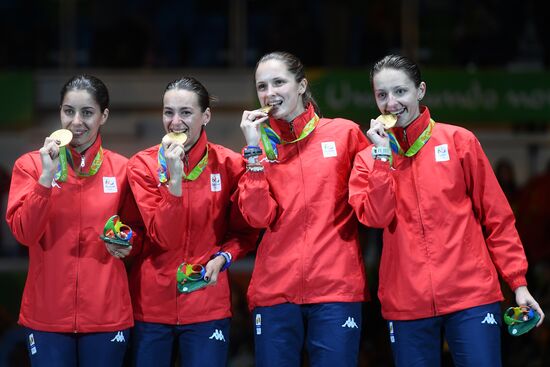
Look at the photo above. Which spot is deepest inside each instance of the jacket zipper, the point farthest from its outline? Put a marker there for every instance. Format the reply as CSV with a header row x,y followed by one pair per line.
x,y
423,232
303,270
79,182
82,161
186,163
187,236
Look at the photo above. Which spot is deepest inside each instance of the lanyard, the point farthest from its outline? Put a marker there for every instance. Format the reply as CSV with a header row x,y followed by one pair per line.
x,y
416,146
61,173
270,139
192,176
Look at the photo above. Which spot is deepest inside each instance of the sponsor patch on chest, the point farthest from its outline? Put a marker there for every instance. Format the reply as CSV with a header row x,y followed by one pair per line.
x,y
109,185
329,149
215,182
442,153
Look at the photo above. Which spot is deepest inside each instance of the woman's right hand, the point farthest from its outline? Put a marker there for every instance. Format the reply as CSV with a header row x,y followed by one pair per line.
x,y
250,125
49,156
377,135
174,154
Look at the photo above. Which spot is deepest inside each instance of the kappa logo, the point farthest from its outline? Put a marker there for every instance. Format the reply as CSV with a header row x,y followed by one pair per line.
x,y
119,338
218,335
489,319
350,323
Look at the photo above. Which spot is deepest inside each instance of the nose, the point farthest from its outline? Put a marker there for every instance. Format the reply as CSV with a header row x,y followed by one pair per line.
x,y
392,100
270,90
77,119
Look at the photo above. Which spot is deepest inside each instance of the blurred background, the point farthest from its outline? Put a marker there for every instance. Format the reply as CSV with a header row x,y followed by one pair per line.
x,y
485,63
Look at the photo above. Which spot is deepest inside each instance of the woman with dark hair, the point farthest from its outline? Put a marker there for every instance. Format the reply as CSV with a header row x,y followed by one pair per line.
x,y
309,282
448,229
76,304
183,188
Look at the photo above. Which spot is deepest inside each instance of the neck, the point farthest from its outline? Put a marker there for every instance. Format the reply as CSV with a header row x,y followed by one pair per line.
x,y
299,110
82,148
411,121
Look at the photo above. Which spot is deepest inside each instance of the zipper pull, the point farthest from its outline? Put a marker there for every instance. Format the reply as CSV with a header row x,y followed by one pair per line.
x,y
291,127
186,162
82,161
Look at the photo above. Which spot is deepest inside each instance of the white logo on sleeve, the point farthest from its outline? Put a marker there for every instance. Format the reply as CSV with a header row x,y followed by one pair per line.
x,y
350,323
489,319
329,149
442,153
109,185
119,337
215,182
218,335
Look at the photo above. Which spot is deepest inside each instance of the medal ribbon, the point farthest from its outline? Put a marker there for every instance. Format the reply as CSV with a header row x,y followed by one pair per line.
x,y
416,146
270,139
192,176
61,173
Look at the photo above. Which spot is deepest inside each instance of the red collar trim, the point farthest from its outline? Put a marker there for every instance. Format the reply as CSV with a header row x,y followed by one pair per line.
x,y
413,130
282,127
196,153
89,155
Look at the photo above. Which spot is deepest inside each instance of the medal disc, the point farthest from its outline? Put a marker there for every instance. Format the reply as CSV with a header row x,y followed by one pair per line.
x,y
266,108
178,138
62,137
388,120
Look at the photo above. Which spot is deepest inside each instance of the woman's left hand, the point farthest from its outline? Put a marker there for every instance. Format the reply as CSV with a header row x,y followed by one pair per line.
x,y
120,252
524,298
213,268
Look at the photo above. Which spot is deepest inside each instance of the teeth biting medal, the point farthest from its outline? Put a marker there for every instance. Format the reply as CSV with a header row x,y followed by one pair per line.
x,y
388,120
178,138
62,137
266,108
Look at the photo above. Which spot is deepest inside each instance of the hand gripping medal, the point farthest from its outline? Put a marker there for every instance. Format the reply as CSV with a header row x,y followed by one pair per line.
x,y
388,120
116,233
520,319
190,277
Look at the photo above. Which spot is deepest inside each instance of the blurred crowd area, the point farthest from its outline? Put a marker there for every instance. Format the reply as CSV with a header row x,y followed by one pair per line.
x,y
151,35
219,33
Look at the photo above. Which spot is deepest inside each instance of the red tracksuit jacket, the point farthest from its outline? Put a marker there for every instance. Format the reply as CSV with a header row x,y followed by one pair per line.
x,y
73,283
448,227
190,228
310,251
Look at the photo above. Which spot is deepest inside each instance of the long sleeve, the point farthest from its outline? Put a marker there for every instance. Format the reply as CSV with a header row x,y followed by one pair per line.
x,y
240,237
257,205
162,212
371,191
495,215
129,214
28,202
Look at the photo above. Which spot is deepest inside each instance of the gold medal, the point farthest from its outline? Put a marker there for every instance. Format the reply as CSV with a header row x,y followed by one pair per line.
x,y
177,138
388,120
266,109
62,137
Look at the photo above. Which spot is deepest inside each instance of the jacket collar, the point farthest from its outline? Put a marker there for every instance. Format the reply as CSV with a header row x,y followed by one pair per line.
x,y
195,154
89,155
282,127
407,136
